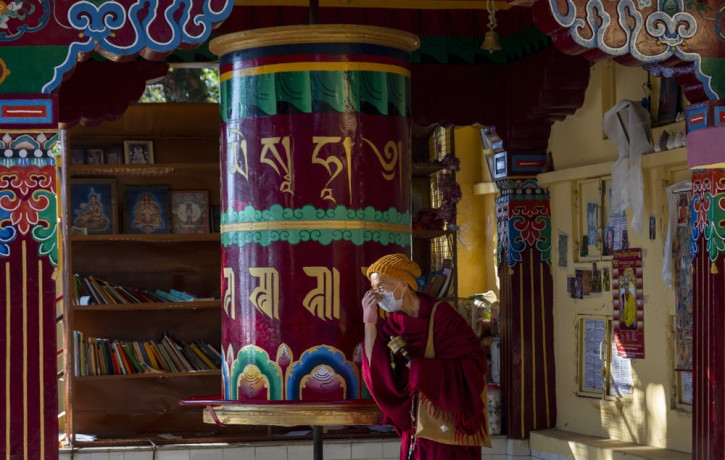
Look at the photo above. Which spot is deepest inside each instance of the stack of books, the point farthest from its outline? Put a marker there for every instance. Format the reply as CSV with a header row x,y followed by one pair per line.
x,y
88,290
96,356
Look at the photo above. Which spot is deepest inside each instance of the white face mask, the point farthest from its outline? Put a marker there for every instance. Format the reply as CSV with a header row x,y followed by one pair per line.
x,y
389,303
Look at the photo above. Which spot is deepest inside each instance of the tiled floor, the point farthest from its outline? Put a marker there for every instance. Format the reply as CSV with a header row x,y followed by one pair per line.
x,y
332,450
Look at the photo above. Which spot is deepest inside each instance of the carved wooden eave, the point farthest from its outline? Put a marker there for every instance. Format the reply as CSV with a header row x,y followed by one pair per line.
x,y
55,36
676,37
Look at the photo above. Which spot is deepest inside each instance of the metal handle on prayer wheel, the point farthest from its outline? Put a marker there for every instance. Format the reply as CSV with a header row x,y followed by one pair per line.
x,y
398,345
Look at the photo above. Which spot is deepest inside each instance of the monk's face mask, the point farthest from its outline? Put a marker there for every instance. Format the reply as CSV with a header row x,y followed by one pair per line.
x,y
388,302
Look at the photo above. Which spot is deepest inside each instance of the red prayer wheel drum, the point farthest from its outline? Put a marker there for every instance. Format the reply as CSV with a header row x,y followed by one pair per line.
x,y
316,173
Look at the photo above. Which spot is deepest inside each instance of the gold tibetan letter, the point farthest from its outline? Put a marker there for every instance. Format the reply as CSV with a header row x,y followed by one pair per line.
x,y
230,293
324,300
389,159
332,164
265,297
269,145
237,143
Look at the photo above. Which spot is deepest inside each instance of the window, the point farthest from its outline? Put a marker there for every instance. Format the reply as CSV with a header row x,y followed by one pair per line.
x,y
602,372
597,232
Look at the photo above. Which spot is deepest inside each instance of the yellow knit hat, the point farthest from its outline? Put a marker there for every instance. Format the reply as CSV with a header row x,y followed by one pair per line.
x,y
397,266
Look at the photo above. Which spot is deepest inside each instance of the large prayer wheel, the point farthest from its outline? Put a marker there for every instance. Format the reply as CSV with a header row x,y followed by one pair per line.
x,y
315,185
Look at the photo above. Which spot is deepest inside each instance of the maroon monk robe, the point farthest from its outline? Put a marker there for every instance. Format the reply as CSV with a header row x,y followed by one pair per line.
x,y
453,381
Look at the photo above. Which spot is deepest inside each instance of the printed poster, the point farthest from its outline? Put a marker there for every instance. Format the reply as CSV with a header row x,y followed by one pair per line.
x,y
682,255
628,302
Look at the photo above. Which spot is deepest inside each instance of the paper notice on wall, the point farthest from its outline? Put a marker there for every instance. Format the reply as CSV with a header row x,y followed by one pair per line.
x,y
628,302
686,387
620,374
594,337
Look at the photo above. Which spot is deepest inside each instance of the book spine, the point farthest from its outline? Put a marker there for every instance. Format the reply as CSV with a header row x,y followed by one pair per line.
x,y
150,354
182,295
202,356
167,297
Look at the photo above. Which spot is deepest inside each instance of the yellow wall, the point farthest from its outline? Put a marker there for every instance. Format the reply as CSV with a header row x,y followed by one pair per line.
x,y
476,219
650,416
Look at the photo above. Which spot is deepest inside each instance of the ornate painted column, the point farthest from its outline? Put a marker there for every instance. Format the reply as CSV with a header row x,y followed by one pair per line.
x,y
528,380
708,287
315,185
28,258
42,43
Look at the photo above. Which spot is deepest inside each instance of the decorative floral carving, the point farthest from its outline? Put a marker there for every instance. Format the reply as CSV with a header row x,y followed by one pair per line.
x,y
27,205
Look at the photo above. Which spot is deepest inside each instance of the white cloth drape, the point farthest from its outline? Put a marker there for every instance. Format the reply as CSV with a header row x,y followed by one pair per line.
x,y
627,124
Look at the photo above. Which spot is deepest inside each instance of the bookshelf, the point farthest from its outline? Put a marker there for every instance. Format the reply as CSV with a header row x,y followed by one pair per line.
x,y
144,405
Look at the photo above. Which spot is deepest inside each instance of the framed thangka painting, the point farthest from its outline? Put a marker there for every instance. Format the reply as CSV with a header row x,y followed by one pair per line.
x,y
190,211
93,206
146,209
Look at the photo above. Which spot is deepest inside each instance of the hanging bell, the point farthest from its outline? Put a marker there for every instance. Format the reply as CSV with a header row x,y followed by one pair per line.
x,y
490,42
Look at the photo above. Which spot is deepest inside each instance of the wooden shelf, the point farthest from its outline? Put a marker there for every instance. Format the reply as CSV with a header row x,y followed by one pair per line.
x,y
142,238
426,169
161,169
151,306
649,160
155,375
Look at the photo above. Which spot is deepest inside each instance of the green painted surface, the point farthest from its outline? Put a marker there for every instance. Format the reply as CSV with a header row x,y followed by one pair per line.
x,y
313,91
715,68
30,67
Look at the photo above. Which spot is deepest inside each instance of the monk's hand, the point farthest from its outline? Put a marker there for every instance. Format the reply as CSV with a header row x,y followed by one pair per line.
x,y
370,307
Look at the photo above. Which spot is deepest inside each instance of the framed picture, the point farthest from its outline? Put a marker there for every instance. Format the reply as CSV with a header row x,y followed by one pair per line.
x,y
113,156
93,206
94,156
138,152
146,209
190,211
77,157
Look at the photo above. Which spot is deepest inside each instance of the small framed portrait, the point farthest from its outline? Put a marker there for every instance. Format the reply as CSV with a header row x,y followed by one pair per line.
x,y
138,152
113,156
608,245
77,157
94,156
93,206
190,211
146,209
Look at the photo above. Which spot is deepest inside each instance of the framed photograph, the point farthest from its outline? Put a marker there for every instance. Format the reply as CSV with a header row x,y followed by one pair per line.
x,y
138,152
113,156
77,157
146,209
190,211
94,156
93,206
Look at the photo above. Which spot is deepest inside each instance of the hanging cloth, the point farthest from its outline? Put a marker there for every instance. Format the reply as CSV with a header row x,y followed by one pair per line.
x,y
627,124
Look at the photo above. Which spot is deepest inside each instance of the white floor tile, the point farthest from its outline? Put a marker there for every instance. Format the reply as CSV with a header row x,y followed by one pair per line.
x,y
172,454
239,453
367,450
391,449
270,453
300,452
332,451
138,455
206,454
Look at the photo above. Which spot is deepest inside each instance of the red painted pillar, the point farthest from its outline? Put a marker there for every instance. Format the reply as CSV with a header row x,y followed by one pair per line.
x,y
28,257
527,323
708,288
